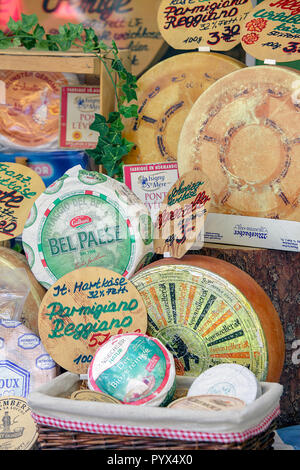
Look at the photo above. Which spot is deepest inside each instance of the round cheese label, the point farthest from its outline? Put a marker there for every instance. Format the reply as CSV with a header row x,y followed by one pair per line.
x,y
20,186
86,219
132,24
82,310
166,93
210,24
271,31
202,319
18,430
208,403
89,395
29,115
244,131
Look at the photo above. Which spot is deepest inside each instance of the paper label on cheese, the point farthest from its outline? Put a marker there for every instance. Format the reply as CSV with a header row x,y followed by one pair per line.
x,y
202,319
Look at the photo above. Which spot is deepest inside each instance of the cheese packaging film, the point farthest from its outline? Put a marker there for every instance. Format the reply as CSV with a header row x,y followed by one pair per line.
x,y
135,369
245,129
166,93
86,219
207,311
29,110
233,380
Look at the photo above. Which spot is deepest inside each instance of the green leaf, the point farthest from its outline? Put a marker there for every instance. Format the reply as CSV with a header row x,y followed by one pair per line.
x,y
129,111
28,21
5,43
38,32
129,92
13,25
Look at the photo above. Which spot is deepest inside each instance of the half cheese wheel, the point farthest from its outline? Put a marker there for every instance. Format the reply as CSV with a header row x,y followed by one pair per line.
x,y
245,131
166,93
208,312
11,259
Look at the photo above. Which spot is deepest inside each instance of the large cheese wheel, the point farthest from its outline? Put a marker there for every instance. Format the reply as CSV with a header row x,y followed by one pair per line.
x,y
245,132
208,312
11,259
166,93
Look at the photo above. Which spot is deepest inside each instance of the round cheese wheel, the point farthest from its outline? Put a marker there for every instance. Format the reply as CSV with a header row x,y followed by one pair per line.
x,y
135,369
244,131
29,118
227,379
207,312
11,259
86,219
208,403
24,363
166,93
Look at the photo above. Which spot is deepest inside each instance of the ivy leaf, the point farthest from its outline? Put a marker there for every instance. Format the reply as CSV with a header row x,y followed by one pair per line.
x,y
129,111
28,21
13,25
129,92
38,32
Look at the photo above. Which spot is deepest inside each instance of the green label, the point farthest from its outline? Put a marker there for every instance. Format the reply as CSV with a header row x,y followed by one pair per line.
x,y
84,230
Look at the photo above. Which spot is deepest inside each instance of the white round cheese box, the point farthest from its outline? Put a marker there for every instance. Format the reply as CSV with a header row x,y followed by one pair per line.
x,y
134,368
227,379
85,219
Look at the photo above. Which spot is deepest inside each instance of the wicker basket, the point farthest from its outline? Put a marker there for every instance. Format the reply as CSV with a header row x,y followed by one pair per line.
x,y
58,439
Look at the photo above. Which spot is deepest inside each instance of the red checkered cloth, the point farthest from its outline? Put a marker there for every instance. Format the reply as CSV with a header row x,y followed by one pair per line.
x,y
177,434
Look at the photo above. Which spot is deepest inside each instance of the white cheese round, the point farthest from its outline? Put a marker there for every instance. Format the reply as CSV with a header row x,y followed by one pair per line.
x,y
227,379
86,219
134,368
24,362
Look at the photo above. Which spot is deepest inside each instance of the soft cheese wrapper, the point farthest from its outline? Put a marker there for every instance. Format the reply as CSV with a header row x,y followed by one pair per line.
x,y
14,289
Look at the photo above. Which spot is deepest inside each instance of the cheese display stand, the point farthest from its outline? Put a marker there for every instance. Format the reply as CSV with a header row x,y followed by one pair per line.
x,y
122,328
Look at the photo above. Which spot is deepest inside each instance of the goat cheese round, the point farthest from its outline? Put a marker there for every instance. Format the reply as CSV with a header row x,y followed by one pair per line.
x,y
86,219
134,368
232,380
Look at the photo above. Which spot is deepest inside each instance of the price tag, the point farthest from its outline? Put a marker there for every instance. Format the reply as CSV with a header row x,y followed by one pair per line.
x,y
272,31
82,310
20,186
191,24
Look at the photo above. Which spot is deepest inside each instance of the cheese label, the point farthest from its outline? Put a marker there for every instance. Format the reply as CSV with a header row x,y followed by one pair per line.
x,y
208,403
82,310
20,186
18,430
192,24
271,31
89,395
78,108
182,214
202,319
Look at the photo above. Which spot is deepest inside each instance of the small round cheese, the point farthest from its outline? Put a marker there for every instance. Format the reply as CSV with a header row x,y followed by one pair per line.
x,y
134,368
232,380
86,219
24,362
208,403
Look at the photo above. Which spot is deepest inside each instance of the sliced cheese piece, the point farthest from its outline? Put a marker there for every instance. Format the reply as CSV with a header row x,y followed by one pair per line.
x,y
24,362
231,380
86,219
207,312
135,369
166,93
244,131
29,116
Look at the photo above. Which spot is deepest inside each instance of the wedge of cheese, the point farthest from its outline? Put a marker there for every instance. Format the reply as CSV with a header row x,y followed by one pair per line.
x,y
245,132
166,93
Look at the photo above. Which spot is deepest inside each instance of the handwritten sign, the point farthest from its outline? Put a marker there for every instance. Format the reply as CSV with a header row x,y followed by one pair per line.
x,y
272,31
78,107
82,310
20,186
190,24
182,214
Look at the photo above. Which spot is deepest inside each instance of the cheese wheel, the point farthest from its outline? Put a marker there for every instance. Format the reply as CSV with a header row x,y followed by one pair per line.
x,y
135,369
208,403
166,93
245,131
209,312
11,259
29,117
86,219
24,363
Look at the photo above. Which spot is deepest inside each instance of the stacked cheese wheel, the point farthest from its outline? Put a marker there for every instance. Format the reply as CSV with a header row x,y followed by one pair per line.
x,y
86,219
245,130
166,93
207,311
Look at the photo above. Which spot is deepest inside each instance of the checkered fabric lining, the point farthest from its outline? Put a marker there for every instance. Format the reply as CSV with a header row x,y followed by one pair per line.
x,y
137,431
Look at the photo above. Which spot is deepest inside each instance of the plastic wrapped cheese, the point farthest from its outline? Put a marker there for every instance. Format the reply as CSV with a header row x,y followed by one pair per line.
x,y
231,380
24,363
86,219
134,368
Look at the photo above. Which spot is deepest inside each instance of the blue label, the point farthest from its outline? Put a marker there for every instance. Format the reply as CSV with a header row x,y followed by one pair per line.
x,y
14,380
